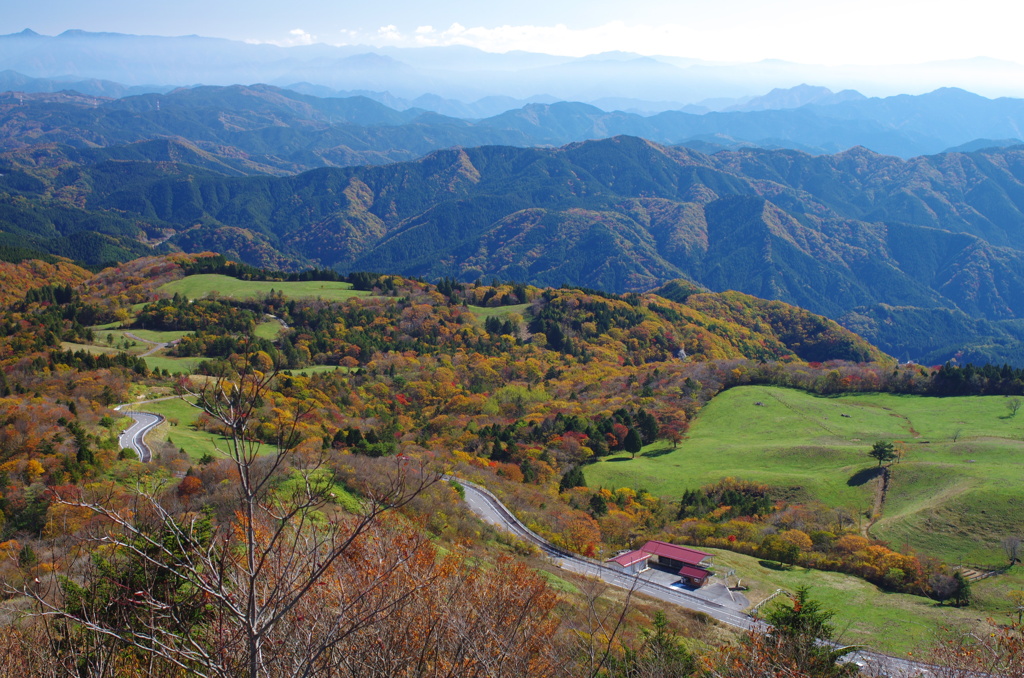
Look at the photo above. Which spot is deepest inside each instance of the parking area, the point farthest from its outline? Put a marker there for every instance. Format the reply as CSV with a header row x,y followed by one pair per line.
x,y
714,591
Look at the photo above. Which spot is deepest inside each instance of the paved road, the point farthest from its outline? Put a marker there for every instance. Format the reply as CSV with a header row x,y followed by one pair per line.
x,y
157,345
488,508
134,437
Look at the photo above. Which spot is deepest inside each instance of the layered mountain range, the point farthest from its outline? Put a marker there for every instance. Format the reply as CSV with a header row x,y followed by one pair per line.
x,y
925,257
261,129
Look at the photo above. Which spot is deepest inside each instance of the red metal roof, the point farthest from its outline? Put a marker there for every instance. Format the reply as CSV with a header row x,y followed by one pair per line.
x,y
630,558
675,552
693,572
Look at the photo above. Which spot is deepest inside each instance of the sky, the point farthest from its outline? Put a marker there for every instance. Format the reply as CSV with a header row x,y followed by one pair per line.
x,y
829,32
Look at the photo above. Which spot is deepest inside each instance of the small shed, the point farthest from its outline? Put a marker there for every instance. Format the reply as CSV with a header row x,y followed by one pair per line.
x,y
631,562
694,576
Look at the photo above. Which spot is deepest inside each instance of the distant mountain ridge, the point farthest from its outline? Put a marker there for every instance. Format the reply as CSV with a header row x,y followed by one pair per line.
x,y
795,97
12,81
279,131
486,107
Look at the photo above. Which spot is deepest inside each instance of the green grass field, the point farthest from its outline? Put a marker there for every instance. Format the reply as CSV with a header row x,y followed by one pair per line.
x,y
991,595
199,286
107,340
891,622
158,336
952,499
268,330
172,364
88,348
119,339
482,313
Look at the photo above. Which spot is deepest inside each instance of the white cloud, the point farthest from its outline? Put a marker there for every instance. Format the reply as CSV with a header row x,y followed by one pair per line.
x,y
301,37
296,36
390,34
558,39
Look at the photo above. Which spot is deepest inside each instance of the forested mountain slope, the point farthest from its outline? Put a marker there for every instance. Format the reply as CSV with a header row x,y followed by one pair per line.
x,y
834,234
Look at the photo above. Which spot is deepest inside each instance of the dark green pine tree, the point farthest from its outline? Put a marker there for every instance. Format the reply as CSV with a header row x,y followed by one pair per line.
x,y
883,452
648,427
572,478
802,632
632,443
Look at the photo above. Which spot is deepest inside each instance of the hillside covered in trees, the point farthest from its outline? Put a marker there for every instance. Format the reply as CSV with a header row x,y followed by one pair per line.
x,y
341,413
922,257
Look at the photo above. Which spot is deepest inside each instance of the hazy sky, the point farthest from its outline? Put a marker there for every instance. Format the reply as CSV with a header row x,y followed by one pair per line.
x,y
809,31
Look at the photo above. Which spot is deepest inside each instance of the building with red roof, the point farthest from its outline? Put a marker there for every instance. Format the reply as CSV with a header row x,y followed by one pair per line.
x,y
631,562
690,564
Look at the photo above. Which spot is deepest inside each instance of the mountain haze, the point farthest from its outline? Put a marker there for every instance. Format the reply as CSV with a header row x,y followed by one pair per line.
x,y
464,73
280,131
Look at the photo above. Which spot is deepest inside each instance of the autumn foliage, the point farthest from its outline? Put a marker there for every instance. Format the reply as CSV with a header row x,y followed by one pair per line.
x,y
446,375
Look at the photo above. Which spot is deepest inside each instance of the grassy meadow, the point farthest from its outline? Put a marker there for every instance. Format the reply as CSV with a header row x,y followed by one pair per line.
x,y
269,330
118,343
203,285
482,313
109,339
88,348
172,364
125,339
895,623
112,338
955,494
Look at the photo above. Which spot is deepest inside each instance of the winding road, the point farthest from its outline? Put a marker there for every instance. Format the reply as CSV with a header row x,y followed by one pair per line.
x,y
491,510
135,437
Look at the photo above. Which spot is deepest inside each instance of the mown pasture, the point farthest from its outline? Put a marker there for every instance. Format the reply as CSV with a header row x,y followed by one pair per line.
x,y
226,287
482,313
109,340
954,495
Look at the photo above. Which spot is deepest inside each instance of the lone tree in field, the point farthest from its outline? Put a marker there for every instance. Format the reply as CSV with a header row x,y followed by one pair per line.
x,y
1012,547
883,452
633,443
962,595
